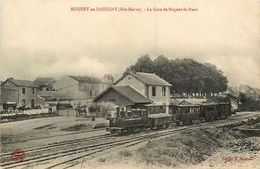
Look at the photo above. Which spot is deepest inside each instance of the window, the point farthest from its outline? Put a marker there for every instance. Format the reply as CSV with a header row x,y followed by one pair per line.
x,y
23,91
32,90
135,114
129,115
153,91
82,87
23,102
163,109
157,109
122,113
90,92
163,91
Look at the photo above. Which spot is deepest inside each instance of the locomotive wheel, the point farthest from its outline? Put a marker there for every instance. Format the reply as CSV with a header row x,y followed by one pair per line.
x,y
207,118
182,123
124,132
10,110
194,121
202,120
113,132
167,125
137,130
120,132
164,126
190,122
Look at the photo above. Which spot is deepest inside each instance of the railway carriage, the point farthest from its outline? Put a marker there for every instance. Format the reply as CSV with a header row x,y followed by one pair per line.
x,y
158,118
224,109
159,121
185,114
208,111
185,111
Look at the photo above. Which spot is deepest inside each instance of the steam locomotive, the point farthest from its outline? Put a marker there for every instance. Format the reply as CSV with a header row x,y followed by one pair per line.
x,y
136,120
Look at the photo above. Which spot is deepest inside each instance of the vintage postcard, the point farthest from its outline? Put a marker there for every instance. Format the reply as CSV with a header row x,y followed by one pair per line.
x,y
138,84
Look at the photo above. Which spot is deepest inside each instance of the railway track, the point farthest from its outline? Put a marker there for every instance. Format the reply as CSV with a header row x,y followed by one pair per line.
x,y
59,144
68,153
79,132
84,150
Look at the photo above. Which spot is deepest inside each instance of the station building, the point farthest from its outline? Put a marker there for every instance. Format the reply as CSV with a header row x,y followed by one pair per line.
x,y
138,90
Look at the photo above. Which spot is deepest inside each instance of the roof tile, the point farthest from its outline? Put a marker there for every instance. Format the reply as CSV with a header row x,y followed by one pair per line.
x,y
131,94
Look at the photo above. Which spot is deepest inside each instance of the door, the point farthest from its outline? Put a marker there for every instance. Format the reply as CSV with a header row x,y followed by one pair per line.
x,y
32,103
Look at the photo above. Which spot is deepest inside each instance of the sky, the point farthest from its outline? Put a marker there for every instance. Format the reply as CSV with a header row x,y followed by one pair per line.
x,y
45,38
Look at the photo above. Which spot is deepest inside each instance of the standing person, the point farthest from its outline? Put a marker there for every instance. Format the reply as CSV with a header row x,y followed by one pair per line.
x,y
122,113
77,111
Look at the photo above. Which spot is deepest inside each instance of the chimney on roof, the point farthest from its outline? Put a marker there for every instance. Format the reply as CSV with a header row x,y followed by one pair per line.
x,y
11,78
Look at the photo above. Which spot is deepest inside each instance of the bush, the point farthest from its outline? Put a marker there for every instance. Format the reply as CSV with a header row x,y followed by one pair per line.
x,y
102,160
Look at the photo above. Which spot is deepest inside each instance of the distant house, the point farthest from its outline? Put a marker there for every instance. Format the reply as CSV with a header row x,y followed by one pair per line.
x,y
45,88
139,89
44,83
79,87
23,92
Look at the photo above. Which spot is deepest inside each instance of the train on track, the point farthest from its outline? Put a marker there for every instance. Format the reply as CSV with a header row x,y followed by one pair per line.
x,y
183,113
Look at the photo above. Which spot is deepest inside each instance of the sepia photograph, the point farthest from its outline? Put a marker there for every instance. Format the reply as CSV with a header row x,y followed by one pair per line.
x,y
130,84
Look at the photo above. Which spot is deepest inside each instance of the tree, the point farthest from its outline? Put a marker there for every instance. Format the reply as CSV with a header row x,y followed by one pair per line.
x,y
248,103
109,78
143,64
186,75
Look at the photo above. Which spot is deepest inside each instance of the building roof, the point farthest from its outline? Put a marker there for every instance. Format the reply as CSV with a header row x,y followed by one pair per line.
x,y
151,79
147,78
22,83
128,92
86,79
44,80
